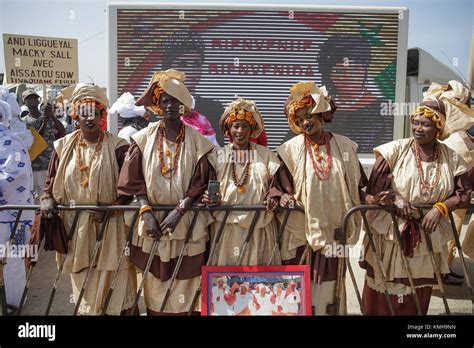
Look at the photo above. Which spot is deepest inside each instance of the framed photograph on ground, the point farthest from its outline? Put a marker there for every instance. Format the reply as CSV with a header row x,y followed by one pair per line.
x,y
256,290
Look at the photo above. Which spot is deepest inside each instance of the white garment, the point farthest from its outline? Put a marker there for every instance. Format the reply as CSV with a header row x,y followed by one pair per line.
x,y
265,303
15,188
126,133
220,305
280,302
292,301
18,127
242,302
14,272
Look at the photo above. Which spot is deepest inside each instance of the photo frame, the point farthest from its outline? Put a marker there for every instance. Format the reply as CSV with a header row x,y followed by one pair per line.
x,y
256,290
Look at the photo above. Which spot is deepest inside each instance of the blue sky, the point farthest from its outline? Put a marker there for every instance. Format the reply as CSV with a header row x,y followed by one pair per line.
x,y
441,27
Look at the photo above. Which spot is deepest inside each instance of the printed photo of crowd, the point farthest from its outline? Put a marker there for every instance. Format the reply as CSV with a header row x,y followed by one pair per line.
x,y
256,295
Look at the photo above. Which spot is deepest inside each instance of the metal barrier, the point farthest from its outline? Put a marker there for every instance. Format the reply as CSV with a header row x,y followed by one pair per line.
x,y
108,210
379,264
342,264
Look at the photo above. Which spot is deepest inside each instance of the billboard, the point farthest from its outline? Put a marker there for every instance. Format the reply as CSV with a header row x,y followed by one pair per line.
x,y
254,52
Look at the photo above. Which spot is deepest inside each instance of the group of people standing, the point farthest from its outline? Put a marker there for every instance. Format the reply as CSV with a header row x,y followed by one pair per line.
x,y
171,163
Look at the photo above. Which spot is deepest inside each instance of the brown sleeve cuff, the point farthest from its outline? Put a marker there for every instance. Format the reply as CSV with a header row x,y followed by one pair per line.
x,y
204,172
461,196
131,180
281,183
380,178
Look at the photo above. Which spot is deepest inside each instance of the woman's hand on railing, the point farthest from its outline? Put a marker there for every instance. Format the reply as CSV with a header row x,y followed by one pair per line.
x,y
287,200
152,227
170,222
381,198
48,207
404,209
431,220
271,203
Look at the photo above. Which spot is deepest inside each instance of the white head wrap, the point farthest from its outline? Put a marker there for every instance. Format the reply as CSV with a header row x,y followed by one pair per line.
x,y
125,107
10,98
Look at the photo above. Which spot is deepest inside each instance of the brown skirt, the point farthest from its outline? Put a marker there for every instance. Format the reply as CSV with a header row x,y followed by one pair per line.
x,y
323,269
375,302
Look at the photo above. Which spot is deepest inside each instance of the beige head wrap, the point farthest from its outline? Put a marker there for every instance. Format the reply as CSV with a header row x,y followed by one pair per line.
x,y
457,114
242,109
172,82
83,93
307,93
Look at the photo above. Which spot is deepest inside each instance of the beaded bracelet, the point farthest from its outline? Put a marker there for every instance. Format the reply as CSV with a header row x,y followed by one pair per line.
x,y
442,208
144,209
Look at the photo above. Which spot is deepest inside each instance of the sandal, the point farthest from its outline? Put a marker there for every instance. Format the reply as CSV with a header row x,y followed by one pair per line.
x,y
456,275
449,280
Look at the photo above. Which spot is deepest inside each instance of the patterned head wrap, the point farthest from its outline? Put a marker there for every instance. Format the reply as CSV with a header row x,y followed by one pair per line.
x,y
433,110
245,110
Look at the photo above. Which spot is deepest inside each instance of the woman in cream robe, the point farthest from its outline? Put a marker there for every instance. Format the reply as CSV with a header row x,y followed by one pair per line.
x,y
397,171
263,165
325,200
457,101
65,185
145,176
